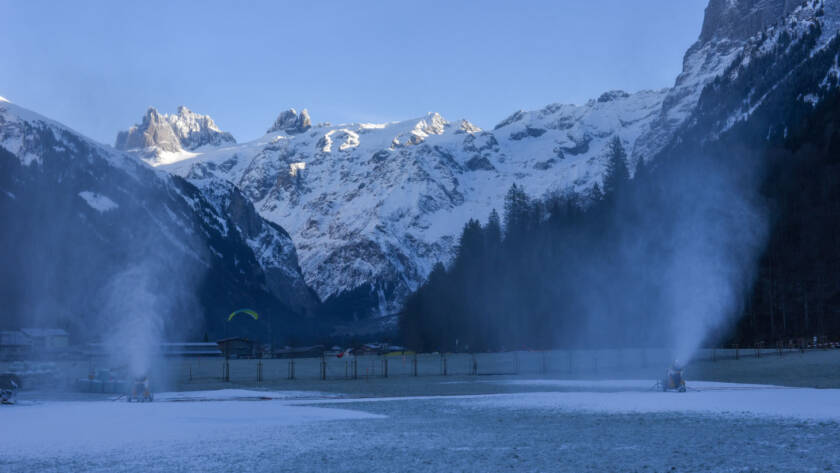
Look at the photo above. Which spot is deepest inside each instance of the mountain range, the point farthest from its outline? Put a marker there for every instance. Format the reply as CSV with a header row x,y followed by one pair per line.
x,y
361,212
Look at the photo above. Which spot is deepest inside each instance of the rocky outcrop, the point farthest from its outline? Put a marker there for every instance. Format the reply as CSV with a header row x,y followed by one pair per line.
x,y
159,134
195,130
154,131
291,122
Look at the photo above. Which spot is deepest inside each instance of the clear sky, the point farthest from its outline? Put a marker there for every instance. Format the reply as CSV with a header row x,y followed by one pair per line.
x,y
96,66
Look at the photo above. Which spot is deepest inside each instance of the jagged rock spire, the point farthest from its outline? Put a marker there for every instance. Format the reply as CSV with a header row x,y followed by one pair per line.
x,y
291,122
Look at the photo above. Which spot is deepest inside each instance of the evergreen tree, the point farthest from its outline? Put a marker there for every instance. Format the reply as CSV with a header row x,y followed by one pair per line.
x,y
516,212
641,172
616,174
595,193
493,230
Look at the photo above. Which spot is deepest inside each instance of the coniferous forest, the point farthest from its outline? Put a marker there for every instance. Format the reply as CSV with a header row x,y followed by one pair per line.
x,y
594,270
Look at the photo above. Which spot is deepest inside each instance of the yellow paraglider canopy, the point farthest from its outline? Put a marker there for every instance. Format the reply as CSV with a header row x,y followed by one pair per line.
x,y
243,311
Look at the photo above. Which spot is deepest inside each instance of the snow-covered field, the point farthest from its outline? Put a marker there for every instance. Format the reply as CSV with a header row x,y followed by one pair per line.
x,y
567,425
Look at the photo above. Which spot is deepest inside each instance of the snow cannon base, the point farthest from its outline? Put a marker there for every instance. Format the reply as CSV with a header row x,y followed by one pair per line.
x,y
140,392
674,379
9,385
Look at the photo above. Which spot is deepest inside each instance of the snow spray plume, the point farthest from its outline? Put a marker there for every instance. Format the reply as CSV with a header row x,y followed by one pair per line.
x,y
151,300
131,310
665,261
677,258
715,229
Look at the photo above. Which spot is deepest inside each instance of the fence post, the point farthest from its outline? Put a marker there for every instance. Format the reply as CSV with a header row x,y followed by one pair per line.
x,y
355,364
259,371
385,366
474,365
414,361
443,361
323,367
291,368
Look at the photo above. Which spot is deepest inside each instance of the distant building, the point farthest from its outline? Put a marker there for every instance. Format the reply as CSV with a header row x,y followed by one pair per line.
x,y
47,339
236,347
190,349
168,349
14,345
300,352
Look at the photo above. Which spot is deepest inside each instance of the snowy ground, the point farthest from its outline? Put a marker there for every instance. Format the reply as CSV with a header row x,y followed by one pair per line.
x,y
510,424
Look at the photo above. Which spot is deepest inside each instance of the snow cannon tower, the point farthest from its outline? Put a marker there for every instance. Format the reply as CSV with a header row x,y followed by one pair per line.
x,y
140,390
674,378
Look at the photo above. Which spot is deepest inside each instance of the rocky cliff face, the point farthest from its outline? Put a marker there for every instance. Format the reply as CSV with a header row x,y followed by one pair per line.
x,y
161,137
791,63
738,20
727,26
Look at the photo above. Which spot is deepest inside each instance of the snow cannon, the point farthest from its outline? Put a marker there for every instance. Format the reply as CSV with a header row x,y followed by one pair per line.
x,y
9,385
674,378
140,390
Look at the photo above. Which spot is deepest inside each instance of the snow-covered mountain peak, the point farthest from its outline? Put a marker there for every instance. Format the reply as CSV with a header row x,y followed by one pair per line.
x,y
16,135
432,124
467,126
165,138
291,122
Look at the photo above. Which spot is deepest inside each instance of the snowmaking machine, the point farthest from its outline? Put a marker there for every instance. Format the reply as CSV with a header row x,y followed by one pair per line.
x,y
140,390
674,379
9,385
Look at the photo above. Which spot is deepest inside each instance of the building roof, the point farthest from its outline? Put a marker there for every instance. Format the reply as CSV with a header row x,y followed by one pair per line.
x,y
10,338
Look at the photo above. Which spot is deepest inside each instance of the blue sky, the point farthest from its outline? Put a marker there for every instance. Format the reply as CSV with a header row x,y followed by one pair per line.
x,y
96,66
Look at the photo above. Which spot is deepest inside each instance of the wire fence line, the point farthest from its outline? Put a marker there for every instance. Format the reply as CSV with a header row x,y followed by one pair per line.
x,y
572,362
207,370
